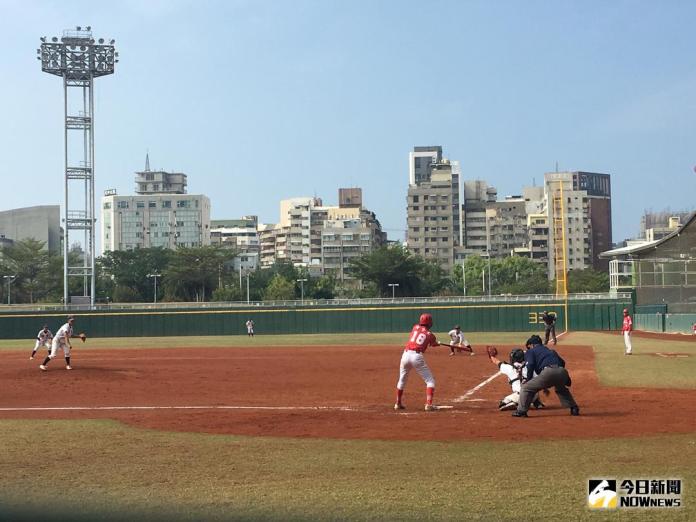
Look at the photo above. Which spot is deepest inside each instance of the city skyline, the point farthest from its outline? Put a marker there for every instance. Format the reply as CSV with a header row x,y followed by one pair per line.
x,y
244,96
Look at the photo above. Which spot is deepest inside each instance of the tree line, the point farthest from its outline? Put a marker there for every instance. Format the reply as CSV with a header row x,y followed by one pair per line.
x,y
208,274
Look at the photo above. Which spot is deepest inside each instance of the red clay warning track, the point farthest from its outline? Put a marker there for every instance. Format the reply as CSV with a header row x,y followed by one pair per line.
x,y
324,391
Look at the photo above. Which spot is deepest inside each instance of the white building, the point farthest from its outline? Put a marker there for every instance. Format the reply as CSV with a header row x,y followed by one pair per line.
x,y
154,220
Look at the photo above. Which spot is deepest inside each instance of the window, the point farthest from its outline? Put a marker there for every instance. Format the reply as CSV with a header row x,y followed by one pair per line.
x,y
155,186
167,204
140,204
122,204
179,223
107,205
152,204
415,199
183,203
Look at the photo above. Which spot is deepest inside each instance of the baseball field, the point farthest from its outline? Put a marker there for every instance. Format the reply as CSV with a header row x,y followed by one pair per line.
x,y
302,428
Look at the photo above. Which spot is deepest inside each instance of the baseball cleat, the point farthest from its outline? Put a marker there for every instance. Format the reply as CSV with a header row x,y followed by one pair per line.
x,y
31,358
42,367
507,407
575,411
68,367
520,414
451,353
398,406
430,407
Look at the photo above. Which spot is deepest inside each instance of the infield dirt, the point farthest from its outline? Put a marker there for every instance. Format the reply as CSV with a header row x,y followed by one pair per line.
x,y
360,379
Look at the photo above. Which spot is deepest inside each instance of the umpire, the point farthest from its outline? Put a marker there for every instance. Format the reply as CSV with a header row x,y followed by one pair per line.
x,y
549,319
550,371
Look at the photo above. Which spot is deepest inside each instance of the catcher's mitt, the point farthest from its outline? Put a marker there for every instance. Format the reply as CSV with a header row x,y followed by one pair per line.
x,y
492,351
83,337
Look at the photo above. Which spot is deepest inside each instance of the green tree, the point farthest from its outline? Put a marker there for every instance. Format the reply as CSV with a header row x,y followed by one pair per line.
x,y
193,273
279,289
27,260
587,281
392,264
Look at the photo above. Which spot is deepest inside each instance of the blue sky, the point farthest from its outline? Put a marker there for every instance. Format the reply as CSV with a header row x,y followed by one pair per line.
x,y
263,100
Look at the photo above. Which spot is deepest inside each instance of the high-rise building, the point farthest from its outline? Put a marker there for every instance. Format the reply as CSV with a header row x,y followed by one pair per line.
x,y
598,189
507,226
321,238
433,206
478,197
577,222
240,235
159,181
155,217
41,223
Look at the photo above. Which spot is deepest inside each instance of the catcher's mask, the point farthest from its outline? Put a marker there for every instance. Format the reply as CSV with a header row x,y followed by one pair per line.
x,y
426,320
516,356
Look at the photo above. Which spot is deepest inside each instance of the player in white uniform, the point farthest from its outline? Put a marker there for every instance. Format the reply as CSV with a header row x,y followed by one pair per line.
x,y
457,337
250,328
62,341
515,371
43,338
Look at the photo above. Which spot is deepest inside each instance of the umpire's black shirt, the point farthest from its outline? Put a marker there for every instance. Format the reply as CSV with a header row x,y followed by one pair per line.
x,y
539,357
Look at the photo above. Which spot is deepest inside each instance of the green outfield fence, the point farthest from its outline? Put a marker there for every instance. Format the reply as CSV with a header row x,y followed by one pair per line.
x,y
515,313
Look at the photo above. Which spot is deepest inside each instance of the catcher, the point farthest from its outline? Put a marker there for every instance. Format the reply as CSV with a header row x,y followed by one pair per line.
x,y
62,341
516,372
458,342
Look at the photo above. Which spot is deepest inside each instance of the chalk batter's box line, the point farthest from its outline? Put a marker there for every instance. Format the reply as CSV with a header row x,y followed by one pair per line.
x,y
285,310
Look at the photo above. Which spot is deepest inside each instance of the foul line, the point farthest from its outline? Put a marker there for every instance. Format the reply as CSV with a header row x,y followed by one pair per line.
x,y
476,388
109,408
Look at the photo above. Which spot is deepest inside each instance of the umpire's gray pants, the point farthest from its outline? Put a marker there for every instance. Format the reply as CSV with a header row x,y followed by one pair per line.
x,y
550,376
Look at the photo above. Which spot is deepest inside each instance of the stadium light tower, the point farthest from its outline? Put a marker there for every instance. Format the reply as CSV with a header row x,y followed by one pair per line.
x,y
78,59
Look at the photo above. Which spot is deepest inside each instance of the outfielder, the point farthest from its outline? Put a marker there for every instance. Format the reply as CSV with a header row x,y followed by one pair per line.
x,y
626,330
250,328
516,372
458,341
418,342
62,341
43,338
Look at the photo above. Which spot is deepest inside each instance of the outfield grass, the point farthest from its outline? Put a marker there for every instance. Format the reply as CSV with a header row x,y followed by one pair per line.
x,y
642,369
105,469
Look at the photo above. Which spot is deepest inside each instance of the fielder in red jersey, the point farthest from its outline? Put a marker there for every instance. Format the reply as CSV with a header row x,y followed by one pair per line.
x,y
418,342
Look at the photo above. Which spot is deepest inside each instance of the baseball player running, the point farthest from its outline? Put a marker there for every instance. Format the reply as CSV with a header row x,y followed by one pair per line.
x,y
43,338
626,330
62,341
458,341
516,372
418,342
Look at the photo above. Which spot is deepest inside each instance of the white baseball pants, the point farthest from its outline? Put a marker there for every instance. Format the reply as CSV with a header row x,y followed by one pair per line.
x,y
627,342
59,344
414,360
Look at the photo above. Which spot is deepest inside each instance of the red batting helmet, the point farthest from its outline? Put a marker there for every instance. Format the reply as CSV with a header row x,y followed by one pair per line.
x,y
426,320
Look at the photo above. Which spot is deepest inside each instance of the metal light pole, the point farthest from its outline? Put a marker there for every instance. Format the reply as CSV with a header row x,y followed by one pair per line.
x,y
78,59
155,276
393,287
302,282
9,279
247,276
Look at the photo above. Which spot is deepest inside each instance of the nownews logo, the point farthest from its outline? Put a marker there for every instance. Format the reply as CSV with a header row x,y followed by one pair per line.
x,y
634,493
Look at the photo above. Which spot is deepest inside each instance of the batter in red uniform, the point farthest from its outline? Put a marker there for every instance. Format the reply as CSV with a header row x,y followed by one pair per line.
x,y
420,339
